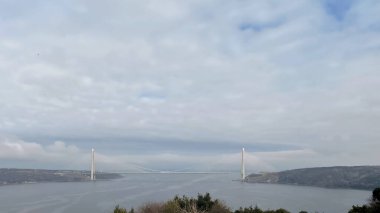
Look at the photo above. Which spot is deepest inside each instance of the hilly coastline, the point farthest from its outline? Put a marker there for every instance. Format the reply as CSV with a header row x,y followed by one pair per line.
x,y
354,177
18,176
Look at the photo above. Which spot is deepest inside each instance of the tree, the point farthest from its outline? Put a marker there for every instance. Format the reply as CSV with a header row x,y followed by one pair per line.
x,y
219,208
249,210
372,207
200,204
119,210
171,207
282,211
151,208
204,202
375,204
376,195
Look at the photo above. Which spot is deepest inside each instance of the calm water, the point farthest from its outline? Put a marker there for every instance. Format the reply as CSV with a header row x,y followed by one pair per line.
x,y
136,189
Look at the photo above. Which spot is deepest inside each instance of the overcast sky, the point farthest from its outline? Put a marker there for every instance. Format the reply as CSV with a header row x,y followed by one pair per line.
x,y
183,85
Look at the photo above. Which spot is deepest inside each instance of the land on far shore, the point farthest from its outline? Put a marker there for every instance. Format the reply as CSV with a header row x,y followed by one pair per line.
x,y
19,176
354,177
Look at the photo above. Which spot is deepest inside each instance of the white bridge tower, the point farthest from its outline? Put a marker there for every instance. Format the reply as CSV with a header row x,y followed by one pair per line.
x,y
93,164
242,168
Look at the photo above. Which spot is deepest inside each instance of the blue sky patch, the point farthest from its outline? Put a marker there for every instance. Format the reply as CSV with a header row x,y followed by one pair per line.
x,y
338,9
259,27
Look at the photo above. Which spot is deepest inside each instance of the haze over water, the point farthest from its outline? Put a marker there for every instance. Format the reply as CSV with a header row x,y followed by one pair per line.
x,y
136,189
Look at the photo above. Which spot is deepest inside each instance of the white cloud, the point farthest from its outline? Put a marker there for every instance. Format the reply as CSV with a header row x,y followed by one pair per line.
x,y
57,153
293,75
61,155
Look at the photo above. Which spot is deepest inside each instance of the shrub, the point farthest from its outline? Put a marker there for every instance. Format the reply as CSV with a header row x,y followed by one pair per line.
x,y
119,210
372,207
151,208
200,204
220,207
249,210
171,207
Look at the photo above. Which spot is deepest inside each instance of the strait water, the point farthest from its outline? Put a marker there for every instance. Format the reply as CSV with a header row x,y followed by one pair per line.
x,y
136,189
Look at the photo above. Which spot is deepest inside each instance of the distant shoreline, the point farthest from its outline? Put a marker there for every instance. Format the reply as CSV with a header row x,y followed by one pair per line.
x,y
163,172
337,177
10,176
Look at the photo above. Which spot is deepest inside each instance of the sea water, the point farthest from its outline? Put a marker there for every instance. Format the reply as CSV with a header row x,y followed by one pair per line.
x,y
135,189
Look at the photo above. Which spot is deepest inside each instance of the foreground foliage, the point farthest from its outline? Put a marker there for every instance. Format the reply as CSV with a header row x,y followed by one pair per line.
x,y
205,204
200,204
372,207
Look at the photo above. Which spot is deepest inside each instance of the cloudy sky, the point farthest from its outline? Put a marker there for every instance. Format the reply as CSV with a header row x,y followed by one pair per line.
x,y
183,85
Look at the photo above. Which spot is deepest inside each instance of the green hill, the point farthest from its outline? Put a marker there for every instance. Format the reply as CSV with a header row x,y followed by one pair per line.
x,y
355,177
17,176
